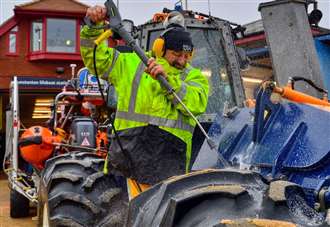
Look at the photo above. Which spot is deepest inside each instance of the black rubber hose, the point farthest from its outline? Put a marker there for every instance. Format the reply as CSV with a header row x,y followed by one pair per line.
x,y
310,82
100,89
95,70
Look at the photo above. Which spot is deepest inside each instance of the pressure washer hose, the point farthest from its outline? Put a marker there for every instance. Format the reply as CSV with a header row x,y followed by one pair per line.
x,y
105,168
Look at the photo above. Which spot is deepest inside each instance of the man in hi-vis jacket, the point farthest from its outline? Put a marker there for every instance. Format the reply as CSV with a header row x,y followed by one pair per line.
x,y
155,132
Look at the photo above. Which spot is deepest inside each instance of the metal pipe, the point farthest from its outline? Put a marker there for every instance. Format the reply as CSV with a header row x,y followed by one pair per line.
x,y
73,94
15,125
76,147
67,116
73,66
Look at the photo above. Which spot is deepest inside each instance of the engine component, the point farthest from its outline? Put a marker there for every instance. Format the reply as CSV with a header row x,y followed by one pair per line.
x,y
83,132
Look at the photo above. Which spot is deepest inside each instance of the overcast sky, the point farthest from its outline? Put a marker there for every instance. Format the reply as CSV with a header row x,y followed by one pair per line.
x,y
238,11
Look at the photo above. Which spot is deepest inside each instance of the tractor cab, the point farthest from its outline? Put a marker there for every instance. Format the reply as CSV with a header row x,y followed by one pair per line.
x,y
214,54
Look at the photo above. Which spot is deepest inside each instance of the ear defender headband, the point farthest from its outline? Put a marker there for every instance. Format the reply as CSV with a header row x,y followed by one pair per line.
x,y
158,47
173,38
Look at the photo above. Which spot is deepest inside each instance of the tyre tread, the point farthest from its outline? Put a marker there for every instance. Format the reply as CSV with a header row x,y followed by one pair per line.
x,y
56,200
77,180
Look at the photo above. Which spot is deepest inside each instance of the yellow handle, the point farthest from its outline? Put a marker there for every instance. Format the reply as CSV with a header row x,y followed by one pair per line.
x,y
105,167
103,36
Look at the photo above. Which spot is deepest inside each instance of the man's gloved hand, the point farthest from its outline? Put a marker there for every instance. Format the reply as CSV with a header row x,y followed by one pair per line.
x,y
155,69
97,13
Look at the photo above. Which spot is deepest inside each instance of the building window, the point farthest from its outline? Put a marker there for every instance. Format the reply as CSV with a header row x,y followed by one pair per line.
x,y
54,38
12,47
36,35
61,35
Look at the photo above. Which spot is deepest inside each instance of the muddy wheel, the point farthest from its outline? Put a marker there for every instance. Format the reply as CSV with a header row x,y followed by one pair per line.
x,y
19,205
215,209
75,192
204,199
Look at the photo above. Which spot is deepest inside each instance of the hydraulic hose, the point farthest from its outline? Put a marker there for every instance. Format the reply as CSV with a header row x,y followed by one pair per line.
x,y
310,82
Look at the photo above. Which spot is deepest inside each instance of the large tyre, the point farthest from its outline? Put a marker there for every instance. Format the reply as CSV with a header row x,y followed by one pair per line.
x,y
213,209
75,192
19,205
209,198
217,209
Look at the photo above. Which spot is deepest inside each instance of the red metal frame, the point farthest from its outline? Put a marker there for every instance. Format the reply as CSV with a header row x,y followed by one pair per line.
x,y
44,35
262,36
54,56
28,35
77,36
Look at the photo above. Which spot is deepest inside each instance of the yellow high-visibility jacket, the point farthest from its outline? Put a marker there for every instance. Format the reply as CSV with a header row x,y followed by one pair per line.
x,y
141,99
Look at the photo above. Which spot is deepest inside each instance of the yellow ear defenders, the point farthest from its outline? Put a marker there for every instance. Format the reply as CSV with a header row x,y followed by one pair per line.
x,y
158,47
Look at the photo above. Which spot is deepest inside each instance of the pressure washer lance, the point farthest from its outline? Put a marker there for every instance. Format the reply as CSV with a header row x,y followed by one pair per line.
x,y
115,24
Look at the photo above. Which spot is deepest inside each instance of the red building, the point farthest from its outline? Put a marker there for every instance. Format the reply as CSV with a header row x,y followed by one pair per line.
x,y
37,45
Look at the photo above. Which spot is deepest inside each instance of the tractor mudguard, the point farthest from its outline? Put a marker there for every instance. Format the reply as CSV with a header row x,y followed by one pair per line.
x,y
236,127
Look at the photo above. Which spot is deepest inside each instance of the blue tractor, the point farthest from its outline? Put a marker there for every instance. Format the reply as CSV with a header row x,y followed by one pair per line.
x,y
278,152
279,157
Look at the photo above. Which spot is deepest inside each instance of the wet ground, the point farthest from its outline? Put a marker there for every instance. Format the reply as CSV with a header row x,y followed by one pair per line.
x,y
5,220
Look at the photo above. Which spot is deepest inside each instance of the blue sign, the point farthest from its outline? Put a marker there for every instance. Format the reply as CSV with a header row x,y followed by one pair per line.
x,y
88,81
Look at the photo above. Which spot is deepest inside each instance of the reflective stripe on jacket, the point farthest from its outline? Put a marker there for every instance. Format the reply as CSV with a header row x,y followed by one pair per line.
x,y
141,99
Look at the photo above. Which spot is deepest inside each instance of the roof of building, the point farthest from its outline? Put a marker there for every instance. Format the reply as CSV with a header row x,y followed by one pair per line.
x,y
51,5
59,7
7,25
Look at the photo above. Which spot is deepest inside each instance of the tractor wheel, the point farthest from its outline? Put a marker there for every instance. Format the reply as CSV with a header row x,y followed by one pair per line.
x,y
74,191
220,209
19,205
220,198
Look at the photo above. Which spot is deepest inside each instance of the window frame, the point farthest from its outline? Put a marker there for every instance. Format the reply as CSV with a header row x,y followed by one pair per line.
x,y
16,53
30,38
75,35
43,53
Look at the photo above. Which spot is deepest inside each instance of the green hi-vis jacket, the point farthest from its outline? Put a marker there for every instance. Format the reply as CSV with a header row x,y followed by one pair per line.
x,y
141,99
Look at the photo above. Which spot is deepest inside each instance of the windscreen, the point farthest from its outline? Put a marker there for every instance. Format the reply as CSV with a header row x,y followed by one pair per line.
x,y
210,58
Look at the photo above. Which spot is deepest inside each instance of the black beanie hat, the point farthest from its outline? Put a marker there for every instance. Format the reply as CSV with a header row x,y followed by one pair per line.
x,y
178,39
